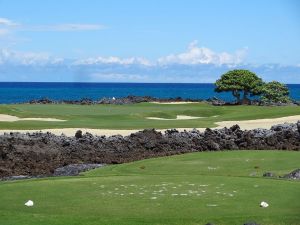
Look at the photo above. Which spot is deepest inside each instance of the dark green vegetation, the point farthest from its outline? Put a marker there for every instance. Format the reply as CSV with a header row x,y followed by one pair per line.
x,y
247,83
224,188
134,116
275,92
240,82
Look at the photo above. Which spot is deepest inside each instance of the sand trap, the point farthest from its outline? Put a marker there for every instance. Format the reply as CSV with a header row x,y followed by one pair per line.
x,y
71,131
178,117
173,103
245,125
9,118
259,123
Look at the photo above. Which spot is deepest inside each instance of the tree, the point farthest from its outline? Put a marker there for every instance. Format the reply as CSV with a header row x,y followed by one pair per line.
x,y
240,82
275,92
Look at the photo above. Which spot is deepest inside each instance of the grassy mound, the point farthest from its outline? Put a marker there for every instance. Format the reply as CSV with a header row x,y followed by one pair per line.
x,y
224,188
135,116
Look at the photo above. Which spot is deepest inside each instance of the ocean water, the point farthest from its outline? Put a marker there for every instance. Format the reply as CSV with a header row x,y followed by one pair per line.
x,y
16,92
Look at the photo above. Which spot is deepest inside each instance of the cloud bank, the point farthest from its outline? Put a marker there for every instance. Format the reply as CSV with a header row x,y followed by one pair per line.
x,y
195,65
9,57
113,60
7,25
64,27
202,55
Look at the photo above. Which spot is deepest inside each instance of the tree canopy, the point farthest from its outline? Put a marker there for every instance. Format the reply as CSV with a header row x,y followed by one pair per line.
x,y
240,82
275,92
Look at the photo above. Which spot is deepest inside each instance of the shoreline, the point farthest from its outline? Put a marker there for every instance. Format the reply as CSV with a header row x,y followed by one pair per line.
x,y
135,99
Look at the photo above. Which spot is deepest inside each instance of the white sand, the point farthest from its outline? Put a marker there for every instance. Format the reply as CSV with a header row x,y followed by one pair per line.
x,y
178,117
9,118
173,103
246,125
259,123
72,131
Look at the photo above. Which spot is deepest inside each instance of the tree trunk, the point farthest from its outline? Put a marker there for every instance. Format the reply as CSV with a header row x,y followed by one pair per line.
x,y
236,94
246,100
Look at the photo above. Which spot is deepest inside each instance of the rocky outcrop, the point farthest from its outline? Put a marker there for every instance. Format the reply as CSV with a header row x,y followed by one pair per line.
x,y
131,99
251,223
295,175
42,101
41,153
216,101
75,169
78,134
269,174
115,101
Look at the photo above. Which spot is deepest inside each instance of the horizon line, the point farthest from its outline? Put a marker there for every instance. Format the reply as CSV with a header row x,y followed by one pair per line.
x,y
113,82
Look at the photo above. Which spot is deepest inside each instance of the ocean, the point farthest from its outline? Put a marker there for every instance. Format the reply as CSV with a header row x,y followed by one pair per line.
x,y
16,92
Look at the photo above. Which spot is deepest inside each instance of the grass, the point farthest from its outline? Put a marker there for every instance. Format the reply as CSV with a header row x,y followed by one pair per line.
x,y
134,116
224,188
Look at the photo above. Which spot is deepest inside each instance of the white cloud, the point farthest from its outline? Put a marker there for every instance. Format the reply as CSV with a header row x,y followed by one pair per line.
x,y
65,27
6,26
27,58
4,22
117,77
202,55
113,60
193,56
7,22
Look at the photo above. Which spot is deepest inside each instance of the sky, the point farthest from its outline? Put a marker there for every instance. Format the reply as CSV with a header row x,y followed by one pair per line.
x,y
148,41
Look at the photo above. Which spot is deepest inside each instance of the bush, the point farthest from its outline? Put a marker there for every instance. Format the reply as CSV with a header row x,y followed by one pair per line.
x,y
275,92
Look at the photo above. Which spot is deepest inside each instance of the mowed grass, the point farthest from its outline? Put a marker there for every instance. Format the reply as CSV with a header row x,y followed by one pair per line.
x,y
134,116
224,188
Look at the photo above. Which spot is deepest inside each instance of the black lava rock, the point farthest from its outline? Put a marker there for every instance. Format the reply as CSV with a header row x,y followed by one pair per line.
x,y
251,223
269,174
293,175
34,154
75,169
78,134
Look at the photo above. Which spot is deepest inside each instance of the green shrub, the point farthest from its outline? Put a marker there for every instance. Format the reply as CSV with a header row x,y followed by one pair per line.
x,y
275,92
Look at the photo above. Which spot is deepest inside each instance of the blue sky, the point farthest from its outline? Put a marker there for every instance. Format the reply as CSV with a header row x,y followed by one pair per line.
x,y
148,41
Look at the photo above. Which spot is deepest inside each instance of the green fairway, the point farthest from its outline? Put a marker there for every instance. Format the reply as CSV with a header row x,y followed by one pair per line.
x,y
224,188
134,116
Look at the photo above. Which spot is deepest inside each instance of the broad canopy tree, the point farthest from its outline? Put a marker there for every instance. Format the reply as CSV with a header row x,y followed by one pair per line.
x,y
240,82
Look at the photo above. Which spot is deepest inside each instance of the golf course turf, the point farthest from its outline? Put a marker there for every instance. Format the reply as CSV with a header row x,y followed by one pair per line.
x,y
135,116
224,188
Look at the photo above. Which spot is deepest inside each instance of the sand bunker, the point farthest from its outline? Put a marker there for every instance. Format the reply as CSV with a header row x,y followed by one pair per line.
x,y
9,118
178,117
259,123
173,103
245,125
71,131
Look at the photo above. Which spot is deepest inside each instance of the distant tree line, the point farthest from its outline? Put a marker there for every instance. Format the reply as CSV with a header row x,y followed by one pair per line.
x,y
244,84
